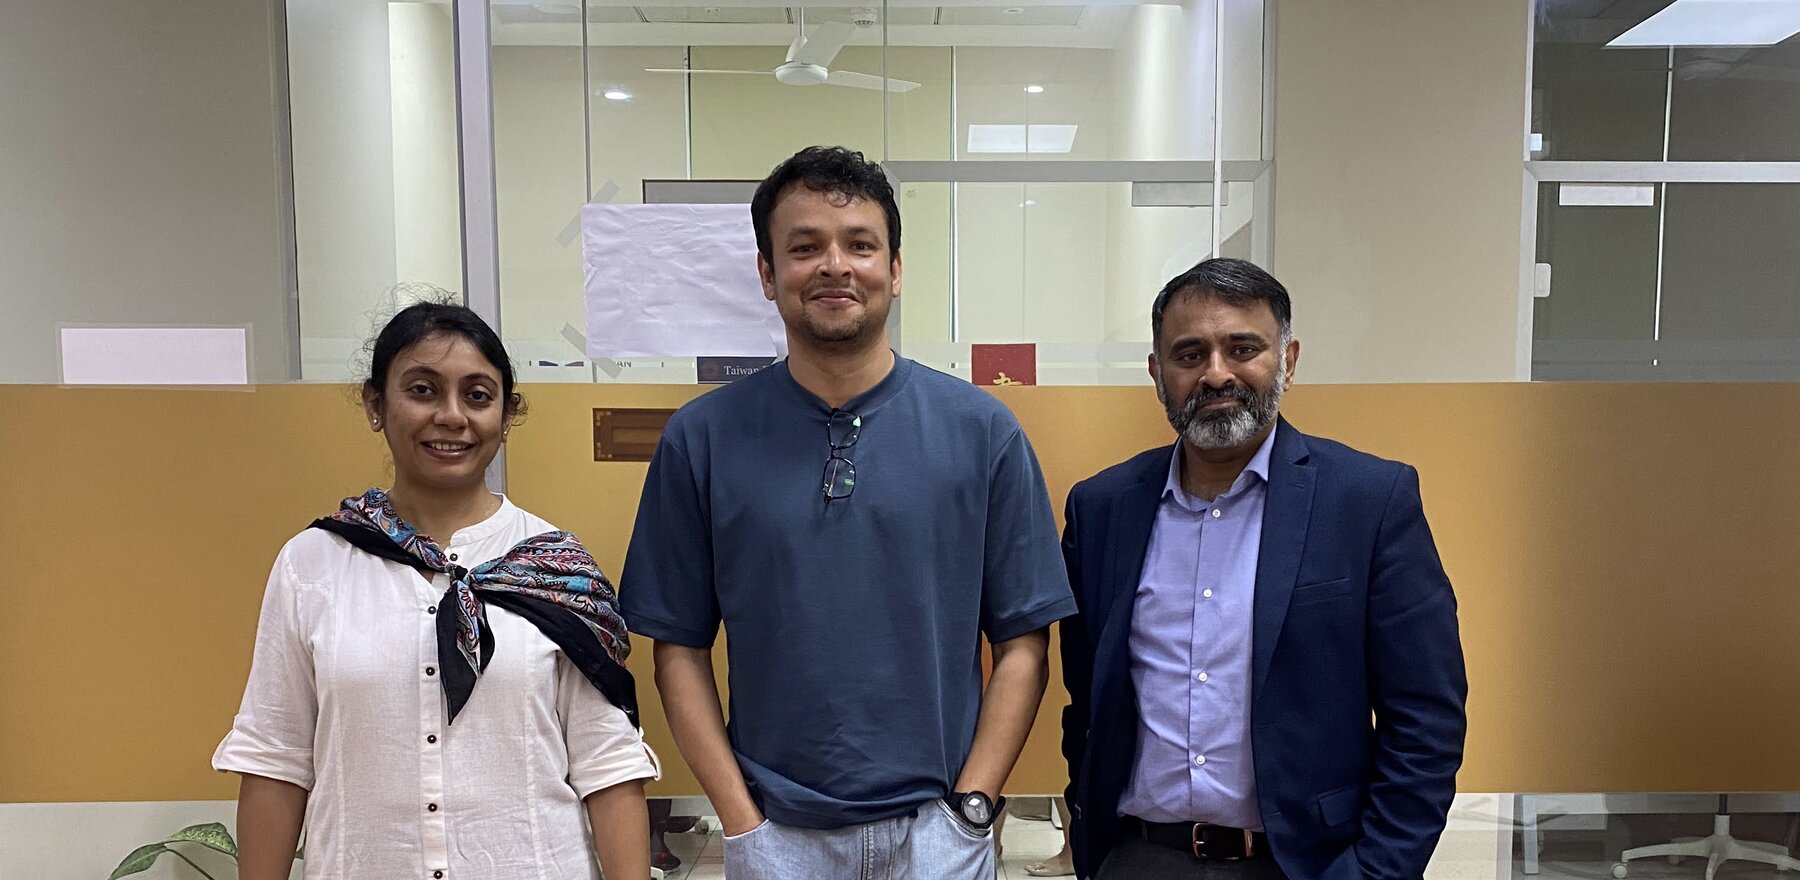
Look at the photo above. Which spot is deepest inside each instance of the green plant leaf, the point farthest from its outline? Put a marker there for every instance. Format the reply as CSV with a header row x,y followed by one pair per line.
x,y
139,860
211,835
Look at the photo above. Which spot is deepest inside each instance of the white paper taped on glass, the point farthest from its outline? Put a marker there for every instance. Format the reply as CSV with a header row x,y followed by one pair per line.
x,y
155,355
675,281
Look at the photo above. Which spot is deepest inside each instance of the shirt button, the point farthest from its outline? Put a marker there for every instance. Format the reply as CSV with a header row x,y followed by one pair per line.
x,y
1206,593
1202,678
437,875
1200,759
431,738
431,670
431,610
431,808
1217,513
453,557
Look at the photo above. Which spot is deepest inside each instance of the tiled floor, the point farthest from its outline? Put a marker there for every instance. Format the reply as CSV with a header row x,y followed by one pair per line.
x,y
1654,869
1479,844
1023,841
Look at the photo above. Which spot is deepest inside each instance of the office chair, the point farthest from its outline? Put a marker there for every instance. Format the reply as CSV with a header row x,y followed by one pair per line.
x,y
1718,848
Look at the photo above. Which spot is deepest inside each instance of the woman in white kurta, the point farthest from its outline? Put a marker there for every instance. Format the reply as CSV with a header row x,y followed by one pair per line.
x,y
436,688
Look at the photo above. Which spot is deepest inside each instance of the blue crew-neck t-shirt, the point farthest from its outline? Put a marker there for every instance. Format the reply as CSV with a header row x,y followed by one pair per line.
x,y
853,627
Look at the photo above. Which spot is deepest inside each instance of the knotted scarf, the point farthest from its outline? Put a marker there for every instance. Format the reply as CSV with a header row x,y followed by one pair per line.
x,y
548,579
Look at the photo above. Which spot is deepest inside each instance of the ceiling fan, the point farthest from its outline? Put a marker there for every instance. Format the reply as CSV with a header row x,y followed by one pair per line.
x,y
1704,64
808,61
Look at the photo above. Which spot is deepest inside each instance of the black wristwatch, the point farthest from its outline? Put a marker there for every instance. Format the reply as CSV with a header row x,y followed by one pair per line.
x,y
975,808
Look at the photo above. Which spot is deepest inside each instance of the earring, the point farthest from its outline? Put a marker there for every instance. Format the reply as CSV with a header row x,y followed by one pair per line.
x,y
375,423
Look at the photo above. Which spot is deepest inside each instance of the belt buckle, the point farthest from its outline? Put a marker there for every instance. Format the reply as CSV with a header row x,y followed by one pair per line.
x,y
1198,843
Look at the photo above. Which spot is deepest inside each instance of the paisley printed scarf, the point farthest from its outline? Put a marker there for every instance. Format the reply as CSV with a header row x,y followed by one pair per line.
x,y
548,579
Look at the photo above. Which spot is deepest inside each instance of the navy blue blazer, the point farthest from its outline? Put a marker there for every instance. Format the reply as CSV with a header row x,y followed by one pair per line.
x,y
1357,682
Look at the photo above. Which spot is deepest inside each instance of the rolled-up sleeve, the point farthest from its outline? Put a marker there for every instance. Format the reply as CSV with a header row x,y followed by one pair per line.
x,y
604,749
272,735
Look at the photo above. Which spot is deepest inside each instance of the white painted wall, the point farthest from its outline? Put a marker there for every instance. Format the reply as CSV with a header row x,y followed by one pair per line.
x,y
138,175
342,98
1163,81
427,197
1398,203
83,841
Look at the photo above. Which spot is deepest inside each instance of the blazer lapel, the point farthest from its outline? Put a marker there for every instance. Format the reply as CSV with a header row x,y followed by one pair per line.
x,y
1134,515
1287,509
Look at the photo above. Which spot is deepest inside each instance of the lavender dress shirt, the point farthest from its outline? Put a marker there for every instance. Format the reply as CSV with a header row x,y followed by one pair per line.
x,y
1190,654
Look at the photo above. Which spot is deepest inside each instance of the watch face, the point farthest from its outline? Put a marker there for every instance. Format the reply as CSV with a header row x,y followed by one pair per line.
x,y
976,809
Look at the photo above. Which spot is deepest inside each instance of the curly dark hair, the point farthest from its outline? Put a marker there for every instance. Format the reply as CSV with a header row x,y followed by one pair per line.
x,y
835,171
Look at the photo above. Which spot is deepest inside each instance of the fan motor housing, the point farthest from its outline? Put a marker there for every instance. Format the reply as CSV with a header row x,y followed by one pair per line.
x,y
799,73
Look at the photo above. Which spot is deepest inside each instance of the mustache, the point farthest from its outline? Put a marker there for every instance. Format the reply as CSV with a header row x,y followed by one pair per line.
x,y
1205,395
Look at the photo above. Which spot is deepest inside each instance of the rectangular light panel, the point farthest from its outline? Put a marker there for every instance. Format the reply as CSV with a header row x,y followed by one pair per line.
x,y
1021,138
1715,23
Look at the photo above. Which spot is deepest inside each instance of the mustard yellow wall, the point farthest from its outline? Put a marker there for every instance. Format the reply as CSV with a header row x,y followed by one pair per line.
x,y
1625,556
138,530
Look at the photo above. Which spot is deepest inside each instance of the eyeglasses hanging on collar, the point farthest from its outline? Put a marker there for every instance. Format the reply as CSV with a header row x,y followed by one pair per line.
x,y
841,431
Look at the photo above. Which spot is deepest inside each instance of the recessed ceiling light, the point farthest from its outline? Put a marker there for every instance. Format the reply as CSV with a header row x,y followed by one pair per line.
x,y
1034,89
1715,23
1034,138
616,94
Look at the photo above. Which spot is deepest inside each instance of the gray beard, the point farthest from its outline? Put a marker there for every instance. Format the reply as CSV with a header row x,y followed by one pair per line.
x,y
1230,429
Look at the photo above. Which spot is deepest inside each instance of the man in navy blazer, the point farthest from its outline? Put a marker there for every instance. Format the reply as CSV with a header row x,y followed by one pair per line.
x,y
1265,676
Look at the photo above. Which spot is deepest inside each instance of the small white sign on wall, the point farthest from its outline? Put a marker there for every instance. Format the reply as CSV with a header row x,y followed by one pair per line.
x,y
1636,195
675,281
155,355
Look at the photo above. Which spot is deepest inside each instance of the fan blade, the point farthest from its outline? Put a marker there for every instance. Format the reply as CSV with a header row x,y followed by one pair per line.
x,y
868,81
1765,72
686,70
823,43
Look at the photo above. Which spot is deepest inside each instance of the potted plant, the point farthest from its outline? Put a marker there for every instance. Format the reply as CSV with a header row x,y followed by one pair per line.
x,y
210,835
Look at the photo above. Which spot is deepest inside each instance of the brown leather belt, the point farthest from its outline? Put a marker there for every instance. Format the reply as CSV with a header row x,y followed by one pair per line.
x,y
1203,841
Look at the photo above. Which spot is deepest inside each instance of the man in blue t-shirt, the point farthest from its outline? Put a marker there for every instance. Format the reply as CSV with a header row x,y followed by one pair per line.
x,y
858,522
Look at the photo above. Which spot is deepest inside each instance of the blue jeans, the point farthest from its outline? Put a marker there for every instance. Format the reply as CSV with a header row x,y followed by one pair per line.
x,y
929,844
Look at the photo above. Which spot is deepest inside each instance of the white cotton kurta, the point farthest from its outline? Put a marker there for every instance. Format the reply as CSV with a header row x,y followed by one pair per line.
x,y
344,700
